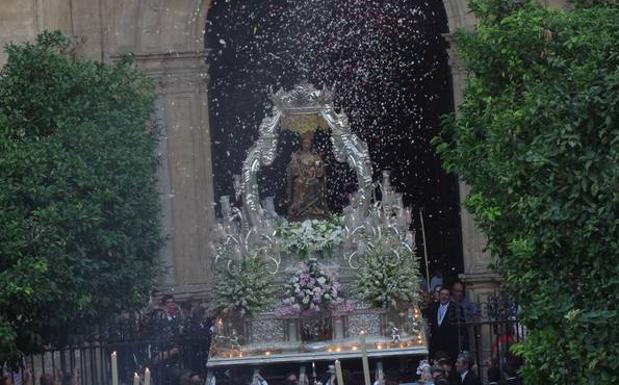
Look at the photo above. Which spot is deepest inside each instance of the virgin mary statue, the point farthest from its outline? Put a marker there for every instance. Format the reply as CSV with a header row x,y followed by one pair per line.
x,y
306,183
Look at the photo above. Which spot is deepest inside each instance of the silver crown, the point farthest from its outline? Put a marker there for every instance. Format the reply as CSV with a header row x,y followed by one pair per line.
x,y
304,98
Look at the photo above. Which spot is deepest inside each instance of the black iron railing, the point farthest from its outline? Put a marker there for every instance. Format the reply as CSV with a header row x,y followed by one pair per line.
x,y
170,349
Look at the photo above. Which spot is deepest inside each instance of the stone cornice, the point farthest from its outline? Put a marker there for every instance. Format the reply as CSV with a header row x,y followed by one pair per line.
x,y
481,277
175,72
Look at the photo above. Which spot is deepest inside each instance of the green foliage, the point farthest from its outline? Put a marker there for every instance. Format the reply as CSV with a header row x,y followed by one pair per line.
x,y
540,125
79,213
595,3
388,275
245,287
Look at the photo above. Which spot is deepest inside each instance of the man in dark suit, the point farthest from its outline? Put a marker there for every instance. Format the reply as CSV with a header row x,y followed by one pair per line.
x,y
443,319
463,366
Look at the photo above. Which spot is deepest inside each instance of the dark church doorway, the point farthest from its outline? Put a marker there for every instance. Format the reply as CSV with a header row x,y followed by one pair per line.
x,y
388,62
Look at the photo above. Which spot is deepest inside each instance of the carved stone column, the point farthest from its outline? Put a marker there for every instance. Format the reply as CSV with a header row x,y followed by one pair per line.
x,y
185,176
479,280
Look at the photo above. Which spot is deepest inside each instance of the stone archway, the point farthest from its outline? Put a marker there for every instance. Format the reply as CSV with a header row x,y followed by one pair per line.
x,y
480,281
167,40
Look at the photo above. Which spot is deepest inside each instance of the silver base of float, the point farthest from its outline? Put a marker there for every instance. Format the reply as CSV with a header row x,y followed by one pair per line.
x,y
303,358
317,356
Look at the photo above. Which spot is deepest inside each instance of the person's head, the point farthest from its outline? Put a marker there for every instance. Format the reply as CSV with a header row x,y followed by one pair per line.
x,y
195,379
457,291
464,362
6,380
435,292
306,141
167,299
445,364
291,378
443,295
437,372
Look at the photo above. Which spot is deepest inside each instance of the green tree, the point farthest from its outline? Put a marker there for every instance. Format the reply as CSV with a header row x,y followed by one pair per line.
x,y
537,139
79,212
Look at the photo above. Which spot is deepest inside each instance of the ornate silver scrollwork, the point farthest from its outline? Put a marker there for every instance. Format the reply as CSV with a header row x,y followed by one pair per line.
x,y
347,147
302,101
252,227
261,153
386,224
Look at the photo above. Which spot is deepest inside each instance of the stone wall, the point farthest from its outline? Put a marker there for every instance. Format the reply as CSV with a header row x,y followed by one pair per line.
x,y
167,39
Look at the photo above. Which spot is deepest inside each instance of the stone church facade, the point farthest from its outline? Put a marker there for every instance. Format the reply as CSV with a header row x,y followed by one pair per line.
x,y
167,39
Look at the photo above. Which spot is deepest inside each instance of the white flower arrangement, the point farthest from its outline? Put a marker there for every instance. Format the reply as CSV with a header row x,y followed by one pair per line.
x,y
245,288
388,275
310,237
424,371
309,290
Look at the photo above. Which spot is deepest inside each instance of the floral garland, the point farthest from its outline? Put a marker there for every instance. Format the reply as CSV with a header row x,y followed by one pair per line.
x,y
246,289
309,290
310,237
388,275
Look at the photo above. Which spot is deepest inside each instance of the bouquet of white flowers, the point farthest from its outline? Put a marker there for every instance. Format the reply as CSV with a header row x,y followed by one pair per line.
x,y
245,288
388,275
309,237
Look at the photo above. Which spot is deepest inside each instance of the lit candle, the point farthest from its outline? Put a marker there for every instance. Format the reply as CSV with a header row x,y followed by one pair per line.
x,y
364,360
302,375
314,370
146,377
136,379
338,372
114,369
380,376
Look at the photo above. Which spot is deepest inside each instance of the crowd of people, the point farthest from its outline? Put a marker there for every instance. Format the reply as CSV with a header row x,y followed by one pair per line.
x,y
174,344
24,376
449,315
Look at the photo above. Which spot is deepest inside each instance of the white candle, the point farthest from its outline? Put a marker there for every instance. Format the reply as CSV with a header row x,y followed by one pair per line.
x,y
338,372
314,371
136,379
146,377
364,360
379,373
114,369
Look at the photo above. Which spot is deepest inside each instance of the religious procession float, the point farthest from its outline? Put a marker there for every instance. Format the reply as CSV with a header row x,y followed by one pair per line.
x,y
312,286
